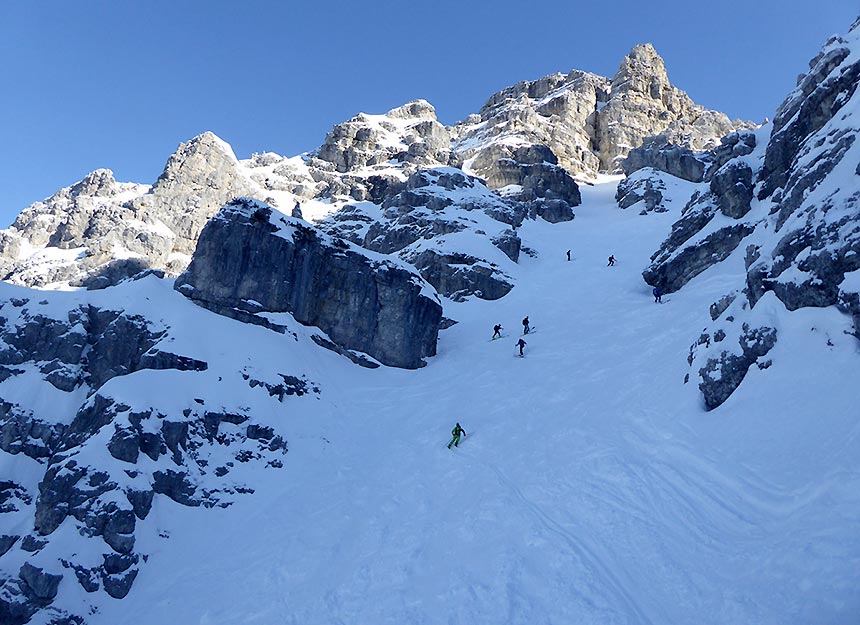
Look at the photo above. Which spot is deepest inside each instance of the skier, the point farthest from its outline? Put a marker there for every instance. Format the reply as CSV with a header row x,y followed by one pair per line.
x,y
568,254
456,433
497,331
526,327
611,261
658,295
521,343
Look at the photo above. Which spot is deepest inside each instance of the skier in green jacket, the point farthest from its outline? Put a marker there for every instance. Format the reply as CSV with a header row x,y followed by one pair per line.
x,y
457,431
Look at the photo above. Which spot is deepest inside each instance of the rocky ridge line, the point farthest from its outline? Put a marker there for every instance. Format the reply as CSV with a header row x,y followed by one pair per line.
x,y
782,200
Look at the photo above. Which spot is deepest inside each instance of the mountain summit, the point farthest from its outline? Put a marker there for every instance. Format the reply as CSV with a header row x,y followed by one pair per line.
x,y
527,143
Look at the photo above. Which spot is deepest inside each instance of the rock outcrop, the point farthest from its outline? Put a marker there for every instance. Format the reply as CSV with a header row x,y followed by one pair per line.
x,y
199,178
676,160
661,154
423,220
98,231
791,192
644,103
646,186
409,134
251,259
100,451
590,122
557,111
529,175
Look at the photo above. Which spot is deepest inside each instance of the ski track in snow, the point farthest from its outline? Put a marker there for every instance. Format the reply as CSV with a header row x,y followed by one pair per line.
x,y
591,486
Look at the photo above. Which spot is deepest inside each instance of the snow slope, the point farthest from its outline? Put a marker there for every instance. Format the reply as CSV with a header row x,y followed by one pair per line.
x,y
592,486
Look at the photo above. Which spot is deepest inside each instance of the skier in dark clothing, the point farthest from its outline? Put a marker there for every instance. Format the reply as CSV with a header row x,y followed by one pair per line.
x,y
658,295
568,254
526,327
456,432
521,343
497,331
611,261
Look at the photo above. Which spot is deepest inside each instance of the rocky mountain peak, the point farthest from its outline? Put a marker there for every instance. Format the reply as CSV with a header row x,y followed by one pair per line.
x,y
644,104
590,122
640,69
526,144
190,157
417,109
198,179
99,183
408,133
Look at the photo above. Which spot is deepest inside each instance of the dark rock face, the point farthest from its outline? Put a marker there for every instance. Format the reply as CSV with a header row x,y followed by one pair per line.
x,y
509,243
21,432
647,186
731,146
732,185
677,161
418,214
40,585
531,175
720,306
819,95
461,275
373,306
799,193
88,493
115,344
685,254
662,155
111,273
678,269
723,374
78,349
819,233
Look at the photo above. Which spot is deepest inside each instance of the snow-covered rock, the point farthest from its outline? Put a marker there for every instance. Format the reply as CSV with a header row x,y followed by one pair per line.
x,y
250,260
526,144
98,232
590,122
458,234
643,103
785,201
410,133
94,452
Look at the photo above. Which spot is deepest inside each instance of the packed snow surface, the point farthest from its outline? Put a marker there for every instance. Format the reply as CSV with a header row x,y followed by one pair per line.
x,y
591,488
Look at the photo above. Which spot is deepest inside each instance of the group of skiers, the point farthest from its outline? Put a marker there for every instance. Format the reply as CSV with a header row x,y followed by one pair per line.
x,y
497,334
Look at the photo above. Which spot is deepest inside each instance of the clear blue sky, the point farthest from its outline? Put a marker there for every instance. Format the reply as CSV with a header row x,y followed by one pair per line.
x,y
98,83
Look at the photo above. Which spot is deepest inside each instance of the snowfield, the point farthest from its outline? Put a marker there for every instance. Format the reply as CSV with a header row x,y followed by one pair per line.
x,y
591,488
